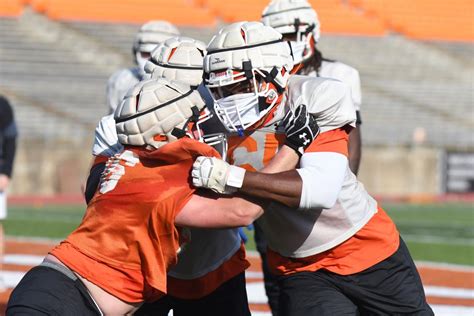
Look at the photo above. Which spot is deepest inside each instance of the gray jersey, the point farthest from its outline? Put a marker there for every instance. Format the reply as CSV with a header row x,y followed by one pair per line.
x,y
345,73
118,85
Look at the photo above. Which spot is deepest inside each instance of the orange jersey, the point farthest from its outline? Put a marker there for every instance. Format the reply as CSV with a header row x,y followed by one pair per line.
x,y
376,241
128,239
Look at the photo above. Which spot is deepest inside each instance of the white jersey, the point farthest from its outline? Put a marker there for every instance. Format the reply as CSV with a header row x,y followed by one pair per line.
x,y
207,249
300,233
342,72
118,85
105,139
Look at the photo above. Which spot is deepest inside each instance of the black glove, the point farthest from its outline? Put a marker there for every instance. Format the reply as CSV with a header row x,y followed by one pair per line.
x,y
300,129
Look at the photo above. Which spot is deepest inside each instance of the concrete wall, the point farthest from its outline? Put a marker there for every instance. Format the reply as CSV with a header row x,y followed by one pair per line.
x,y
43,168
49,168
401,171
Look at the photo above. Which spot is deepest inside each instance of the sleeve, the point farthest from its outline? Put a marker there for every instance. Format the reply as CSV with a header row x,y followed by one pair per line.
x,y
117,87
9,134
111,92
9,151
106,141
323,168
330,102
93,181
356,92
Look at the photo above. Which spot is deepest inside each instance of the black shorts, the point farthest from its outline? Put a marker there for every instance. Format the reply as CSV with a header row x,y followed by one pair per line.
x,y
46,291
230,299
391,287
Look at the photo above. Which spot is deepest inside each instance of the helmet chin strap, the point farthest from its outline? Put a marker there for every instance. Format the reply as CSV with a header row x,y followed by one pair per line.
x,y
181,132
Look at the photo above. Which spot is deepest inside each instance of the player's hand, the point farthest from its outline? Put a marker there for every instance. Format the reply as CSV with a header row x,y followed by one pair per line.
x,y
217,175
300,129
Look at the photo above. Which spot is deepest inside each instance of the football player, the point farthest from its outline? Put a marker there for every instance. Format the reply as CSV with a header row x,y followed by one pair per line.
x,y
298,22
131,233
149,36
209,278
334,248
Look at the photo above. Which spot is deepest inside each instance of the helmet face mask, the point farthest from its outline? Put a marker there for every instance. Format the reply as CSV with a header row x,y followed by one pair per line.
x,y
247,69
299,24
241,102
302,43
195,131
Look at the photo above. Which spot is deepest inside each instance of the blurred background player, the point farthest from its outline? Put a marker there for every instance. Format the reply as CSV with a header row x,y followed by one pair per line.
x,y
298,22
149,36
335,250
8,135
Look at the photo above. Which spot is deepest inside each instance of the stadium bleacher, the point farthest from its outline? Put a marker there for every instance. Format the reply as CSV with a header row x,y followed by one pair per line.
x,y
410,83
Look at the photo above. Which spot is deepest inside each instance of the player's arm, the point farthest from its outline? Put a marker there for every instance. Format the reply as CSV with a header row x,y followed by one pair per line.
x,y
355,139
315,184
355,149
210,210
9,133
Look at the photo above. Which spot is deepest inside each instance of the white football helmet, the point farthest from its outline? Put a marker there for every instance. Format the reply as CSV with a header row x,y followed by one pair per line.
x,y
149,36
296,18
156,112
246,69
178,58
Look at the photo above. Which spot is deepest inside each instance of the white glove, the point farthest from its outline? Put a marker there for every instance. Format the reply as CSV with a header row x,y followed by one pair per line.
x,y
217,175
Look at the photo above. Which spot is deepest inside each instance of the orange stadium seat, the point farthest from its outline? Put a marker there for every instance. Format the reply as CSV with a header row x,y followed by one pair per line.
x,y
425,19
341,19
334,15
138,11
10,8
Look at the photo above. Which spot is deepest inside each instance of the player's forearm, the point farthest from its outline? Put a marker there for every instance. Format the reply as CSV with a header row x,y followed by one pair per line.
x,y
285,160
284,187
355,149
275,181
207,210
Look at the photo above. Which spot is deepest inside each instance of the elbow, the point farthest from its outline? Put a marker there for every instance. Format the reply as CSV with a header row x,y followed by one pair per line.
x,y
325,200
246,221
329,202
245,215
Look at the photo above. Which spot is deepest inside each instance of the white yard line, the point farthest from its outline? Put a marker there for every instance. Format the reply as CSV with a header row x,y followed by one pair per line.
x,y
445,266
439,310
442,291
22,260
429,239
256,292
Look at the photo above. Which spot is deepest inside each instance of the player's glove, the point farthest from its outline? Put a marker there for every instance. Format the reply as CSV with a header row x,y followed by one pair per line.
x,y
300,129
217,175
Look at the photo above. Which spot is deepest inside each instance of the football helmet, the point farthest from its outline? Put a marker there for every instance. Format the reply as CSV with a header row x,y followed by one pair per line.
x,y
156,112
149,36
246,69
178,58
298,21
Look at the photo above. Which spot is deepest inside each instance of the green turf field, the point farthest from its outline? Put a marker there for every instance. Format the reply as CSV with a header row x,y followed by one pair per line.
x,y
434,232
